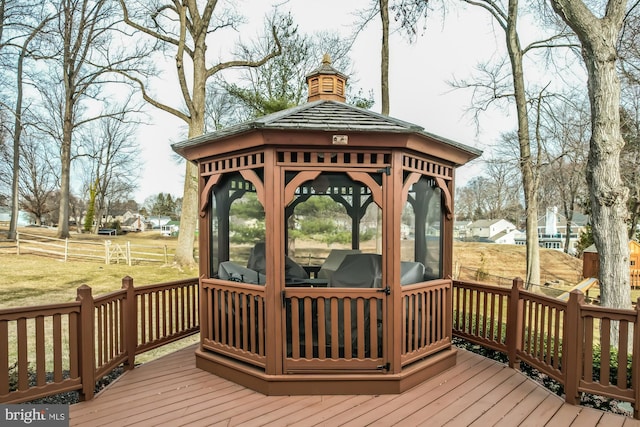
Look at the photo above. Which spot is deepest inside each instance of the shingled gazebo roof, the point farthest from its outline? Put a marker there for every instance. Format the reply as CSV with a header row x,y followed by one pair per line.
x,y
324,115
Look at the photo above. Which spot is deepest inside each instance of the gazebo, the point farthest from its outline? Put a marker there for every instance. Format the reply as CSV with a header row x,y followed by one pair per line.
x,y
373,314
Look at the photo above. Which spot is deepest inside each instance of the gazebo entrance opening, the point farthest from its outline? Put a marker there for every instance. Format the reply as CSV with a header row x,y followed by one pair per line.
x,y
324,328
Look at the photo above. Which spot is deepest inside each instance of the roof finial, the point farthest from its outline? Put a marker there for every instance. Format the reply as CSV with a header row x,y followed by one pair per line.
x,y
325,82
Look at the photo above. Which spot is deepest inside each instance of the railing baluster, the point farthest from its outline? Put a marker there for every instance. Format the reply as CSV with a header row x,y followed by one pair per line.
x,y
587,369
244,323
605,351
360,326
373,327
308,328
322,332
623,348
41,370
4,356
346,324
57,347
295,328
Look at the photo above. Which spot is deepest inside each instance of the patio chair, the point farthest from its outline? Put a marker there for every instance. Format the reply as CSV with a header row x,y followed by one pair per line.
x,y
257,262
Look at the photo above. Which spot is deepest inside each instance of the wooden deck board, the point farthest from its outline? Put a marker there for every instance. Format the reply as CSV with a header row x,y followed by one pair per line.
x,y
481,403
525,408
171,391
409,403
544,410
454,401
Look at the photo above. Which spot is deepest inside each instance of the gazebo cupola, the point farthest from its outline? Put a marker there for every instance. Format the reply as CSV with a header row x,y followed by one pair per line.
x,y
325,82
325,248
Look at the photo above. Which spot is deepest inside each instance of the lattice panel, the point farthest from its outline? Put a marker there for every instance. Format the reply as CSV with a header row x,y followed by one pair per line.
x,y
230,164
427,167
336,158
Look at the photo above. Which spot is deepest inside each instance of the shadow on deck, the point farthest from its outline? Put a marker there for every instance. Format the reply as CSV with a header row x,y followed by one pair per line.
x,y
171,391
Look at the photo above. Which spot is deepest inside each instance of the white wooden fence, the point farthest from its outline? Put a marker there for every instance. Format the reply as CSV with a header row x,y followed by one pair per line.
x,y
109,252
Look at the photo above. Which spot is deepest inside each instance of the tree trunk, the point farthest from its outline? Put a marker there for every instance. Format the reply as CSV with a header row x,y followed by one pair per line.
x,y
568,214
607,193
529,181
17,131
532,281
189,215
65,176
384,57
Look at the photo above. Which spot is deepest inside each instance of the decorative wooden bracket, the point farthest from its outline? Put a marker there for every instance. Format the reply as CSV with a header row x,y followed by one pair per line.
x,y
448,202
204,193
290,189
366,179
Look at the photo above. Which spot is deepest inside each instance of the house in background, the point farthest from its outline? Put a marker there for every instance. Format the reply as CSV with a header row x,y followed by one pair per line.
x,y
490,229
24,218
507,237
171,228
461,229
133,222
157,221
552,231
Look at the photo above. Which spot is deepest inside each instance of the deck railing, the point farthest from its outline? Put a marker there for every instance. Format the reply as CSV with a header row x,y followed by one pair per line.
x,y
58,348
570,341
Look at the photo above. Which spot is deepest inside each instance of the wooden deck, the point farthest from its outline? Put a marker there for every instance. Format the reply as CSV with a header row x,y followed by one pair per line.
x,y
171,391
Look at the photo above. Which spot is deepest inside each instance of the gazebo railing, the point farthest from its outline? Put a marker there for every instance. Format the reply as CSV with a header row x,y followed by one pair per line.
x,y
326,329
236,320
334,329
426,324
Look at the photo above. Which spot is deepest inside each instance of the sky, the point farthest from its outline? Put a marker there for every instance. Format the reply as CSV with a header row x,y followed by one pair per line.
x,y
419,92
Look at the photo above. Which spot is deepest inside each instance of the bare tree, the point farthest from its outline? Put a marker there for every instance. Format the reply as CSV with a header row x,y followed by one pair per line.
x,y
19,125
503,188
608,194
111,159
19,25
185,30
408,13
80,54
471,199
221,108
566,149
498,88
37,184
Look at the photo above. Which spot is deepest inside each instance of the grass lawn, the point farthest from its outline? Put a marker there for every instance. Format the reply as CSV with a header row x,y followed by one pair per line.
x,y
27,280
33,280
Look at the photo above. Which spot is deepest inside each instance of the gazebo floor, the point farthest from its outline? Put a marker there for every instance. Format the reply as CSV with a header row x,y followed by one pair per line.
x,y
171,391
